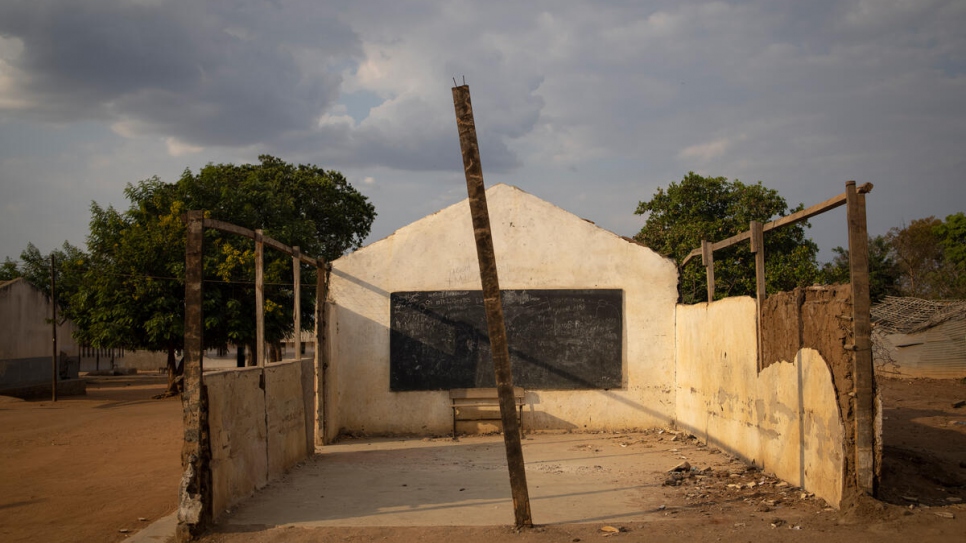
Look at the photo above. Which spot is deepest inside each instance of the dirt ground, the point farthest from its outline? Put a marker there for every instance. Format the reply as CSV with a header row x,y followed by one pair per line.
x,y
86,468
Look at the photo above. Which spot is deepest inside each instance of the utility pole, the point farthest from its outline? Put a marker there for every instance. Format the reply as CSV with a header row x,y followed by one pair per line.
x,y
53,327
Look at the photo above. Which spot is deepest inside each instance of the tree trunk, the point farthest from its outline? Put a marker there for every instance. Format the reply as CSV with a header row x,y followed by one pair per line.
x,y
174,375
275,351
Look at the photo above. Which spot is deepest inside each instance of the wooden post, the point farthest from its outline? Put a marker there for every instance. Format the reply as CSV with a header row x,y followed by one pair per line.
x,y
707,258
194,508
492,304
321,352
758,248
862,331
297,275
259,353
53,327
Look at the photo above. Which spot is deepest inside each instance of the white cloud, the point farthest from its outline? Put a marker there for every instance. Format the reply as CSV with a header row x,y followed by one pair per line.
x,y
705,151
180,148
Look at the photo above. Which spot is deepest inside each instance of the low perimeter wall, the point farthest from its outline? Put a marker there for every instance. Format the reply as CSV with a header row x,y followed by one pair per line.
x,y
785,419
258,434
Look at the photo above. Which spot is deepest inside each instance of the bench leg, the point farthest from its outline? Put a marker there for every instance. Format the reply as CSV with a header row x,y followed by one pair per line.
x,y
454,423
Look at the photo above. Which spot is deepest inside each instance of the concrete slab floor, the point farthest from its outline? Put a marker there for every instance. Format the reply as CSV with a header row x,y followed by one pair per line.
x,y
572,478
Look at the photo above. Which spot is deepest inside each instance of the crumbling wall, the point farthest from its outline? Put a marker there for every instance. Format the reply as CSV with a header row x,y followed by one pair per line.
x,y
784,419
819,318
252,445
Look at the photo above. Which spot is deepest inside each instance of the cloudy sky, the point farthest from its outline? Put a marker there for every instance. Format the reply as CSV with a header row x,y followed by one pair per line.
x,y
591,106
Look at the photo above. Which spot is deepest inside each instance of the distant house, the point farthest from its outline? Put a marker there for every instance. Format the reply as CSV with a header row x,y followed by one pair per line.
x,y
25,339
920,338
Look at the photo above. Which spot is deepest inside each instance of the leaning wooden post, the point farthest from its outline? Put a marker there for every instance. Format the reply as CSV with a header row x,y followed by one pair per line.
x,y
493,304
297,288
863,375
758,248
194,505
707,258
260,302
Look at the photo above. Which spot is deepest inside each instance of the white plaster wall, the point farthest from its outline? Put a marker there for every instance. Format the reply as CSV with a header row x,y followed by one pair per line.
x,y
252,445
237,426
785,420
25,332
537,246
286,421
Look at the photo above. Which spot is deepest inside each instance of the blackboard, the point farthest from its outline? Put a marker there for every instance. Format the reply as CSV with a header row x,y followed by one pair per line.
x,y
559,339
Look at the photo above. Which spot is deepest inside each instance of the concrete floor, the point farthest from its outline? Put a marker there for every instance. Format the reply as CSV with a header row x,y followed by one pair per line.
x,y
572,478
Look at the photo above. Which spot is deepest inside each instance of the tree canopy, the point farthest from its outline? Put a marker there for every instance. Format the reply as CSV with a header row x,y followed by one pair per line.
x,y
924,259
713,208
34,266
884,272
133,286
931,255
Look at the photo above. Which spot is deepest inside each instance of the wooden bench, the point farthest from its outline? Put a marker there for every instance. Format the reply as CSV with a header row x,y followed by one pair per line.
x,y
476,398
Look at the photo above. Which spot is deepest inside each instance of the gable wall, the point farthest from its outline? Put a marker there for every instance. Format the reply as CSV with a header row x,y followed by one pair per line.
x,y
538,246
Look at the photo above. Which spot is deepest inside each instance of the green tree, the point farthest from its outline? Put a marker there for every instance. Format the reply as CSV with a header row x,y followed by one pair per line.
x,y
952,239
134,295
34,267
9,270
884,272
931,254
919,254
713,208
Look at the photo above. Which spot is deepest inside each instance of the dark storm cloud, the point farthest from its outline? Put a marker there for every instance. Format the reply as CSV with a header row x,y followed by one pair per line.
x,y
207,73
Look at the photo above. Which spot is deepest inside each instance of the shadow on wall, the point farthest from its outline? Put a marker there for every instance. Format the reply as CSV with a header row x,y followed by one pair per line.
x,y
784,419
359,400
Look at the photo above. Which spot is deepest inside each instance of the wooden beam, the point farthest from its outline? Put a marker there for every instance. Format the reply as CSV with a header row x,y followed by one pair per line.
x,y
693,254
816,209
758,248
297,310
492,303
798,216
728,242
321,354
229,228
707,258
863,373
195,494
259,300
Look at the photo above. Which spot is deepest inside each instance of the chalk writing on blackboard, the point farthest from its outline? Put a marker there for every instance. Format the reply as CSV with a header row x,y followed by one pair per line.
x,y
559,339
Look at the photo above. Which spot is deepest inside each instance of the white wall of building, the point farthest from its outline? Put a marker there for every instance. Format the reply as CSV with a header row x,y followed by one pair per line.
x,y
538,246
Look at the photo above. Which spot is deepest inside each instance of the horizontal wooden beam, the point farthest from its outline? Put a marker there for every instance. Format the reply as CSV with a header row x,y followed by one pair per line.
x,y
798,216
737,238
816,209
692,254
230,228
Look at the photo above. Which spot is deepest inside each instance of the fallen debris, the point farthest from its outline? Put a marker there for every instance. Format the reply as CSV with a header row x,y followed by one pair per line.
x,y
683,466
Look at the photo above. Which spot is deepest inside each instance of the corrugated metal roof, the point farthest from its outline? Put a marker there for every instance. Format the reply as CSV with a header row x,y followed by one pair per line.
x,y
938,352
